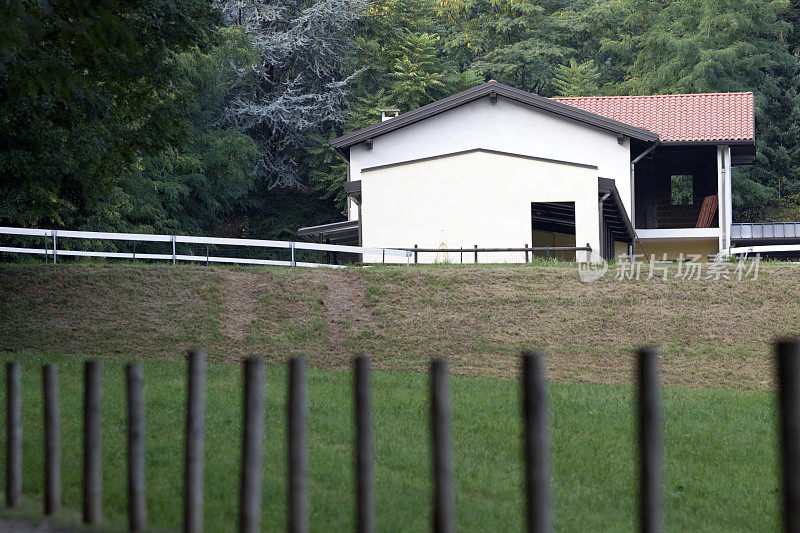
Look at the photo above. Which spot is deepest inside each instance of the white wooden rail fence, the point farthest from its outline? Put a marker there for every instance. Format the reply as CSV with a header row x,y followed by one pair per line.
x,y
51,236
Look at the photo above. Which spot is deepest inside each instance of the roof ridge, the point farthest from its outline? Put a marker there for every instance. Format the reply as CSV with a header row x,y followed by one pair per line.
x,y
606,97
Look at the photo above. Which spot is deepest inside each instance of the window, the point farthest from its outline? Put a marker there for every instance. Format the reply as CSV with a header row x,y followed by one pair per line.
x,y
681,189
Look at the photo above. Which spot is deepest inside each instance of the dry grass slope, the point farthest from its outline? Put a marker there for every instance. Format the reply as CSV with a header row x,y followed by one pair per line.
x,y
712,333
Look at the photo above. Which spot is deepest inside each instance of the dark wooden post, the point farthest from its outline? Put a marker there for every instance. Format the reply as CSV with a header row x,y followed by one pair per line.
x,y
193,472
537,465
92,451
443,517
649,442
52,441
526,253
13,435
415,254
137,510
364,487
298,460
252,445
788,366
476,254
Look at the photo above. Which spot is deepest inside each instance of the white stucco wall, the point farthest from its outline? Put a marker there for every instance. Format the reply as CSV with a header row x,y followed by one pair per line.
x,y
476,198
506,126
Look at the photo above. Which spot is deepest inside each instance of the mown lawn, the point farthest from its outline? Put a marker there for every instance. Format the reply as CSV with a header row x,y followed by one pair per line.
x,y
721,465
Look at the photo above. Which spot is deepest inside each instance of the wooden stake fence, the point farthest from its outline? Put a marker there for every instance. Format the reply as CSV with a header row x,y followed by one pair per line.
x,y
13,435
538,508
195,416
443,513
137,510
52,440
296,441
365,506
252,446
92,452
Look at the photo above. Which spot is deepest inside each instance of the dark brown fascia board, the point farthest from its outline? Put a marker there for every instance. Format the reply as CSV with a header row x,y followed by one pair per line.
x,y
476,150
607,185
343,143
736,142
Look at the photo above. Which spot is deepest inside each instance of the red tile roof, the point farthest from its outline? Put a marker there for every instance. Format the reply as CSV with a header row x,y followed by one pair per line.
x,y
678,117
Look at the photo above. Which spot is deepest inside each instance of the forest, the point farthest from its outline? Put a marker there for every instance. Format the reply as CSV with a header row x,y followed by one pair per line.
x,y
198,117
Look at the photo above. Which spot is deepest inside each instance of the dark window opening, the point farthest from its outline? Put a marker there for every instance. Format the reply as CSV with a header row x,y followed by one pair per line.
x,y
553,226
682,189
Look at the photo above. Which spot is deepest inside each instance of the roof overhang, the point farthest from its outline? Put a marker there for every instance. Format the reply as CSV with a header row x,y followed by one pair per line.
x,y
490,90
345,232
743,152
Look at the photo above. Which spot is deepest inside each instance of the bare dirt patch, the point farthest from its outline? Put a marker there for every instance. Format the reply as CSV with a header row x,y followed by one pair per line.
x,y
344,301
240,290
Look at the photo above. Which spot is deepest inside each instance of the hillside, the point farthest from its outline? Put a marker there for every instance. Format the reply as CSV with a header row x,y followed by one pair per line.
x,y
713,333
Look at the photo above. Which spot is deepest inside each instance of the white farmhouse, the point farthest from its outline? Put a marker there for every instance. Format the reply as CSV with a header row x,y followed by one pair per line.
x,y
498,167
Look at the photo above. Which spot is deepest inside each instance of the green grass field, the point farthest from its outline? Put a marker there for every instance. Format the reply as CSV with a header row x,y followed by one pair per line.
x,y
720,464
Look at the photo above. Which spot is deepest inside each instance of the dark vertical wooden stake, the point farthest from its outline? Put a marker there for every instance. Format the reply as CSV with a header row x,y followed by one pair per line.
x,y
137,511
526,253
13,435
365,516
443,521
298,460
52,441
649,442
252,442
415,255
476,254
193,468
537,465
788,366
92,451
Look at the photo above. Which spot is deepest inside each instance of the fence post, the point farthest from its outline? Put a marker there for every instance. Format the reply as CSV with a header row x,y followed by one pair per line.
x,y
415,254
526,253
252,443
649,442
174,255
13,435
193,467
298,460
291,244
52,440
137,514
788,366
55,247
440,440
537,465
364,446
476,254
92,451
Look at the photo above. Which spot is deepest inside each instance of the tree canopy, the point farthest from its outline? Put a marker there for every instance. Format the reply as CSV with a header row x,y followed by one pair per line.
x,y
190,116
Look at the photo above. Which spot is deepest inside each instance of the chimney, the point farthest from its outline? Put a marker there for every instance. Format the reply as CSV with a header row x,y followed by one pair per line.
x,y
387,114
